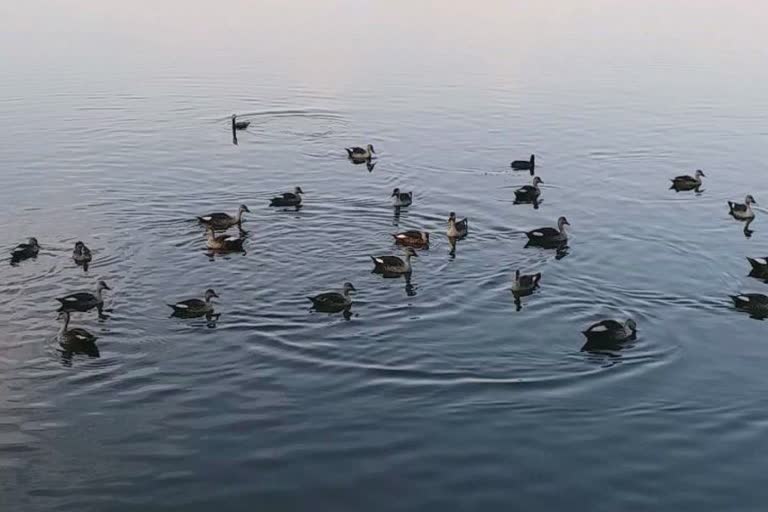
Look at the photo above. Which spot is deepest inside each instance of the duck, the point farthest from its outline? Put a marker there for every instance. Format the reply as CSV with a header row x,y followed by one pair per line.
x,y
358,153
25,251
224,242
239,125
529,193
524,165
333,302
401,198
84,301
73,336
688,182
222,221
549,236
754,303
457,229
195,307
288,198
77,340
759,265
412,238
81,254
525,283
743,211
394,264
611,331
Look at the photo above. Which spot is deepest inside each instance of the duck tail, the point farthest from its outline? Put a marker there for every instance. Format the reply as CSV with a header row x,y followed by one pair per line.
x,y
349,152
730,205
754,263
536,278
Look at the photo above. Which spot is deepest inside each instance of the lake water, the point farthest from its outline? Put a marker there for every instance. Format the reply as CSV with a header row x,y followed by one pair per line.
x,y
437,396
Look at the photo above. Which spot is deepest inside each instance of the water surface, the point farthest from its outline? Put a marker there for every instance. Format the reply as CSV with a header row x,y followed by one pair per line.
x,y
442,395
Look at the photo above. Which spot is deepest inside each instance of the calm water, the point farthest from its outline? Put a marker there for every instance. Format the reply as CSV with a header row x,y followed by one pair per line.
x,y
442,396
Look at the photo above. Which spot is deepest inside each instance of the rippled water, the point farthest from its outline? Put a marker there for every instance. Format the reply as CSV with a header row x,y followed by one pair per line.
x,y
442,395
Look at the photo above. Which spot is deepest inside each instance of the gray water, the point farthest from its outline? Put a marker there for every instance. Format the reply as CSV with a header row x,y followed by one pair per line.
x,y
440,396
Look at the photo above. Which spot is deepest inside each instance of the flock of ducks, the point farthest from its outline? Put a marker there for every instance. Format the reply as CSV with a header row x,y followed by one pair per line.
x,y
605,334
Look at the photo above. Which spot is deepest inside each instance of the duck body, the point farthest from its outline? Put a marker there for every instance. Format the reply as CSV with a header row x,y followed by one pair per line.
x,y
81,254
457,229
84,301
759,266
194,307
288,198
529,193
224,242
611,331
688,182
754,303
524,165
418,239
239,125
549,236
25,251
333,302
222,221
394,265
77,340
525,284
358,153
401,198
742,211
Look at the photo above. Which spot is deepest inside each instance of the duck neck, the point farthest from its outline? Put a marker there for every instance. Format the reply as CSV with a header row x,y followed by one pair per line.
x,y
240,216
562,229
98,294
65,325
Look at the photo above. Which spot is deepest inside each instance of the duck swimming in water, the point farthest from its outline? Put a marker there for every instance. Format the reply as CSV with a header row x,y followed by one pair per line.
x,y
549,236
401,198
418,239
742,211
457,229
225,242
524,165
333,302
84,301
82,254
288,198
529,193
611,331
394,264
754,303
76,340
25,251
759,266
524,284
358,153
688,182
221,221
195,307
239,125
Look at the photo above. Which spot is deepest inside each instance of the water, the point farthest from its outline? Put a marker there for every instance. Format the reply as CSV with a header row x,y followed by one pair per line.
x,y
442,396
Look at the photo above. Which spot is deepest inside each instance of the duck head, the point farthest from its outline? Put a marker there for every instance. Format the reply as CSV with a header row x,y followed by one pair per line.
x,y
298,191
395,193
452,217
33,242
562,221
700,173
409,251
537,180
749,200
348,287
370,148
210,294
243,208
103,286
631,325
